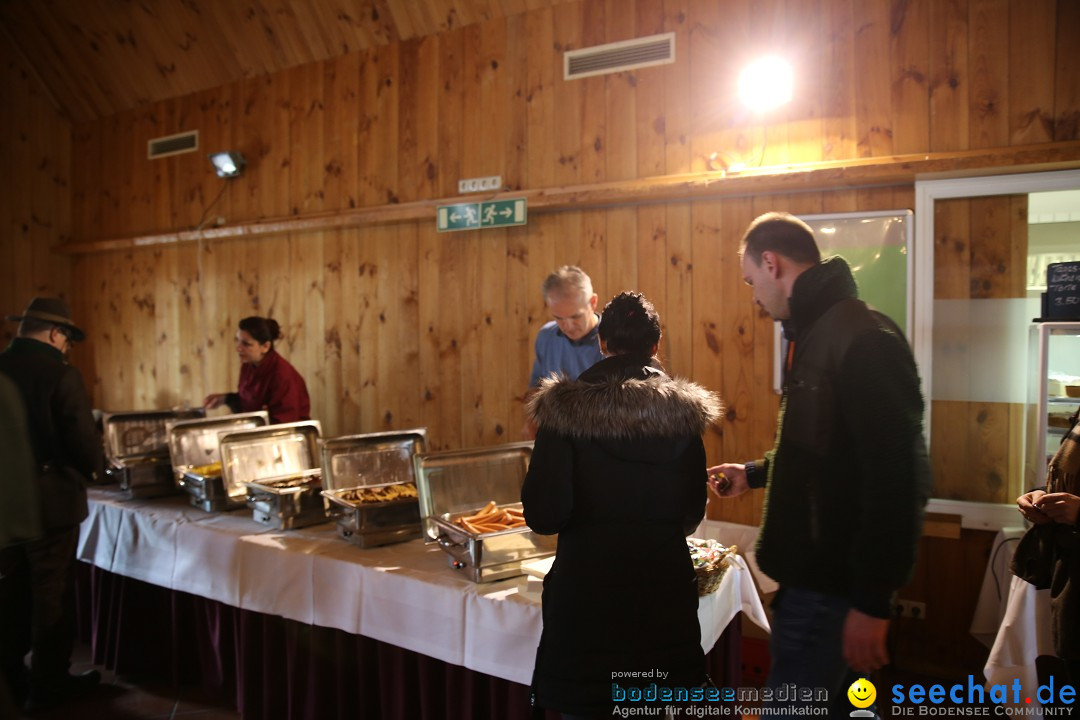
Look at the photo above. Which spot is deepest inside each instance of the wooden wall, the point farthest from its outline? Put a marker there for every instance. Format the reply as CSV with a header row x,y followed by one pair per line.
x,y
395,325
35,200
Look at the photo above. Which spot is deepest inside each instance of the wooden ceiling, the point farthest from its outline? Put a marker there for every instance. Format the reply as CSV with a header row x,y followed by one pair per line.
x,y
99,57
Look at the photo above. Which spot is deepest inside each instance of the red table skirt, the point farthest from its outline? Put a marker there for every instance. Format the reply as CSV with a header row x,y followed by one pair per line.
x,y
273,668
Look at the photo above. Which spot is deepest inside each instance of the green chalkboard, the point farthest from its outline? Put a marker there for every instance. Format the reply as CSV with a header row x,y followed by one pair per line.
x,y
876,246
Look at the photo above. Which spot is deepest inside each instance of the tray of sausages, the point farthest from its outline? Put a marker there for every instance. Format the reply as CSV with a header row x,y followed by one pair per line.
x,y
471,504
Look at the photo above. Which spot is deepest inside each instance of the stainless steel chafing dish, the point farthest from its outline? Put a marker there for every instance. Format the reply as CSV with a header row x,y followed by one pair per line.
x,y
371,484
195,446
137,450
279,466
458,484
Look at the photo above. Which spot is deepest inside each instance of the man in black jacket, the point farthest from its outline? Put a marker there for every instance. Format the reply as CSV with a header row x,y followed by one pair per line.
x,y
37,577
848,478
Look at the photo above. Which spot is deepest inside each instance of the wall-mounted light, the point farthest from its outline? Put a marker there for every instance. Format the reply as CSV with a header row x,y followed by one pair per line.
x,y
228,164
766,84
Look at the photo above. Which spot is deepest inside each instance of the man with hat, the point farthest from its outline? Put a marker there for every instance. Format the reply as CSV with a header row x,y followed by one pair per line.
x,y
37,577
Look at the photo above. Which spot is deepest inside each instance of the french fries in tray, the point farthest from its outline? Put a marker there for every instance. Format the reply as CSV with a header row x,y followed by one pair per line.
x,y
492,519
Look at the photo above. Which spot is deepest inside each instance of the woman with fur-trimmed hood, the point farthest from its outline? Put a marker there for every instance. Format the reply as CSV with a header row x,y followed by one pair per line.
x,y
618,471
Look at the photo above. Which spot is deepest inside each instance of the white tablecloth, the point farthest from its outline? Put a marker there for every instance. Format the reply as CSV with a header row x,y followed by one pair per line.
x,y
994,593
1023,636
404,594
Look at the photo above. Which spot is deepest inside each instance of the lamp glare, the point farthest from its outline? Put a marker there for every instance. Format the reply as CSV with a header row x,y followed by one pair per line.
x,y
766,84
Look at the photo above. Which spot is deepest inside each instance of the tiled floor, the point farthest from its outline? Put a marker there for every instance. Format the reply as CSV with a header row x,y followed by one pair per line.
x,y
131,698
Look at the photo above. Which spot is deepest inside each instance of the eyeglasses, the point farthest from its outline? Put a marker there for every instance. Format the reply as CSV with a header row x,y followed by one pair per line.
x,y
66,335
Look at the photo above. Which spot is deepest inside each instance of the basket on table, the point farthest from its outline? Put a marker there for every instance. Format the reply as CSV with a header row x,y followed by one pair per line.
x,y
711,560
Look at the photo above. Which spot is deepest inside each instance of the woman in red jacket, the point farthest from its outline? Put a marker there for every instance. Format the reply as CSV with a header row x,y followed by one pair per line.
x,y
267,380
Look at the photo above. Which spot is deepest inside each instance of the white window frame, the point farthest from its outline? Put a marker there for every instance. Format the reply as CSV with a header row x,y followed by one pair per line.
x,y
982,516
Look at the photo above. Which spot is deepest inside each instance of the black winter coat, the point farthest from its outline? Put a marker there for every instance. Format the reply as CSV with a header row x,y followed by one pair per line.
x,y
849,476
618,470
61,427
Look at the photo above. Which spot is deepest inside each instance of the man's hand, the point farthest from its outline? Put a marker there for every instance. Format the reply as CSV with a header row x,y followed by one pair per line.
x,y
1058,507
728,479
213,401
864,641
1028,505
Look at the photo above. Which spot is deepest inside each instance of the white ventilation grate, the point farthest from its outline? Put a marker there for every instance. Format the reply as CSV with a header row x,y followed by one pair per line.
x,y
619,56
172,144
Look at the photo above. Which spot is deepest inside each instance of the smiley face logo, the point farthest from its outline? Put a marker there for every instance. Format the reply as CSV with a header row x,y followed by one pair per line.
x,y
862,693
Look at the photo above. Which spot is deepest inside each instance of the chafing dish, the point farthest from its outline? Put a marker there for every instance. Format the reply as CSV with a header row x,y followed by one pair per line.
x,y
457,484
371,484
195,447
137,450
279,466
289,501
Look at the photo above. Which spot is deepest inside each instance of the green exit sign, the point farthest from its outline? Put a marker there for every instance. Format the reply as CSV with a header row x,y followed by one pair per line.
x,y
481,215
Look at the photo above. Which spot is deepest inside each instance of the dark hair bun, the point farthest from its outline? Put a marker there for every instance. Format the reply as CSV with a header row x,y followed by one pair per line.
x,y
630,324
263,330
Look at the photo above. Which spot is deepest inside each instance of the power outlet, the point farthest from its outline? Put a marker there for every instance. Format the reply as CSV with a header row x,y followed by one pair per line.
x,y
910,609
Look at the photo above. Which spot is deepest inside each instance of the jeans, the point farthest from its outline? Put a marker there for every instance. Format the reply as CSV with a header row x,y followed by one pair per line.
x,y
807,649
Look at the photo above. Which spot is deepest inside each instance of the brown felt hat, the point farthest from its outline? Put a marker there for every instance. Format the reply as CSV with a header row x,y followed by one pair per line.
x,y
52,310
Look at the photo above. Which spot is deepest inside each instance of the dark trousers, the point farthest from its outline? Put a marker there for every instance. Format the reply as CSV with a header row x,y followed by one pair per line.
x,y
37,607
807,647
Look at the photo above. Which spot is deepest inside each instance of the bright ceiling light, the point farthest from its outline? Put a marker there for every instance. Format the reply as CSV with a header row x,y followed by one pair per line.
x,y
228,164
766,84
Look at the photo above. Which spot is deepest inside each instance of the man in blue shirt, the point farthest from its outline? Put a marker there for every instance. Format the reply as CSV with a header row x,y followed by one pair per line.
x,y
569,343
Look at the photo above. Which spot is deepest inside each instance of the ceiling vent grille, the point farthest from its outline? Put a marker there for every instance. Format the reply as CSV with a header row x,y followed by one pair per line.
x,y
619,56
172,145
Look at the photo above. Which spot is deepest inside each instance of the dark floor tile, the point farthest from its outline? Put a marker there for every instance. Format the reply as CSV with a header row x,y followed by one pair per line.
x,y
133,697
208,714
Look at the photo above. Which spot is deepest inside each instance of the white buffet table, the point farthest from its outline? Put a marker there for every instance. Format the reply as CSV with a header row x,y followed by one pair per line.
x,y
404,594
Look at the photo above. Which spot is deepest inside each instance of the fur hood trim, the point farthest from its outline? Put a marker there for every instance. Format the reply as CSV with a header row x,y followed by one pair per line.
x,y
659,406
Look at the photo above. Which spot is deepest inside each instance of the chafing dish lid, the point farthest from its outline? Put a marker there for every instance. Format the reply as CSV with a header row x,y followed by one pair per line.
x,y
461,480
274,451
138,433
380,458
193,443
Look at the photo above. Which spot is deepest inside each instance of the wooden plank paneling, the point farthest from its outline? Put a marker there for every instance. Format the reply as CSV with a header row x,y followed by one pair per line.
x,y
544,67
910,62
675,123
873,104
648,98
838,40
621,121
566,131
395,325
803,30
99,58
592,158
989,73
1066,73
716,50
35,207
380,127
949,76
1032,45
